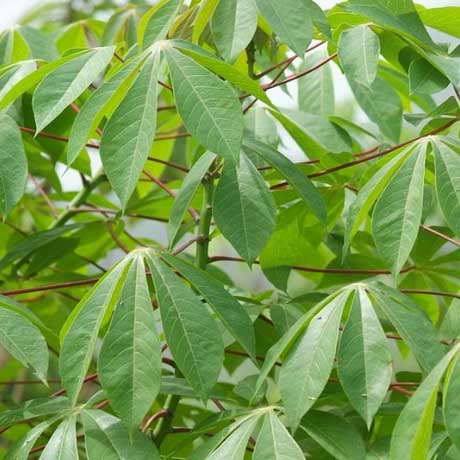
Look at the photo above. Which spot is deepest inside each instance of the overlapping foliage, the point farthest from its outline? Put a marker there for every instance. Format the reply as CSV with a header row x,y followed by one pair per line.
x,y
203,291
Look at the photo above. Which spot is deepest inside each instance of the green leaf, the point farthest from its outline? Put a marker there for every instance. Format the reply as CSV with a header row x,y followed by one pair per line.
x,y
221,68
233,25
13,164
34,408
293,24
314,133
21,449
129,134
185,195
364,359
382,105
99,104
411,322
63,443
130,358
24,341
275,443
244,209
412,432
366,197
398,212
445,19
306,370
33,242
155,24
288,339
199,356
80,332
450,403
208,106
335,435
424,78
294,177
234,447
448,183
227,308
359,52
64,84
315,91
399,16
106,438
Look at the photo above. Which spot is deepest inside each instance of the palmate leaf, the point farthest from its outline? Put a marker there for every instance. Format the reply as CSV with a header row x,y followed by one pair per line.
x,y
288,339
198,356
155,24
185,195
34,408
129,134
398,212
100,103
294,177
24,341
227,308
223,69
13,165
275,442
364,359
412,323
80,332
63,443
233,25
450,402
448,183
366,197
130,358
359,52
293,24
234,447
335,435
208,106
244,209
400,16
64,84
106,438
20,450
412,433
306,370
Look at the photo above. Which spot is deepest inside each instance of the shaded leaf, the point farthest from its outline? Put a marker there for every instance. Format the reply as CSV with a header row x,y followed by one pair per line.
x,y
244,209
185,195
13,165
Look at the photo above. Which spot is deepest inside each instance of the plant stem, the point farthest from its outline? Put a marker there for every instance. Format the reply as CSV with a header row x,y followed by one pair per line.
x,y
78,200
164,424
202,258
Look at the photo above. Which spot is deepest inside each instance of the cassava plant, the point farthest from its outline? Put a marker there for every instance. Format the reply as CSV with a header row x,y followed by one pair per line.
x,y
230,231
